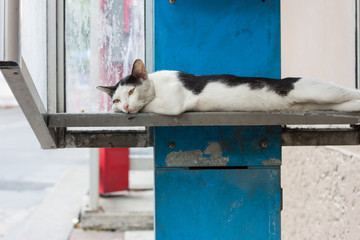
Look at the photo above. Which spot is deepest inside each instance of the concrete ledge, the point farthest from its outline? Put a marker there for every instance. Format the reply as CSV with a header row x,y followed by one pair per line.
x,y
128,211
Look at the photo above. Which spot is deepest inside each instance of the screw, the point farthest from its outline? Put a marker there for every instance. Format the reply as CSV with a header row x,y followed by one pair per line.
x,y
172,145
172,1
264,144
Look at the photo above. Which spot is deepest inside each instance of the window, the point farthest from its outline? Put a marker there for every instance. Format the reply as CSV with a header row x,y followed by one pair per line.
x,y
102,38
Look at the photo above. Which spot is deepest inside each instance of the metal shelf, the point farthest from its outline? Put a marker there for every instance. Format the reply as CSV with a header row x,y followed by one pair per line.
x,y
53,130
201,119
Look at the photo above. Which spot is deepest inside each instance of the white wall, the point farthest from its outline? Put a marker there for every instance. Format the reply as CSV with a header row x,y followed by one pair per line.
x,y
321,188
318,40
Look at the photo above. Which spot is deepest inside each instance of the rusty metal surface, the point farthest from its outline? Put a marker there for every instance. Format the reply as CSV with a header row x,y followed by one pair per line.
x,y
290,137
105,139
222,172
217,146
320,137
197,157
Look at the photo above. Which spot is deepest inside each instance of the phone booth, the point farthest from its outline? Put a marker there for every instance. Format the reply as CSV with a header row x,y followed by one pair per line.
x,y
218,182
217,174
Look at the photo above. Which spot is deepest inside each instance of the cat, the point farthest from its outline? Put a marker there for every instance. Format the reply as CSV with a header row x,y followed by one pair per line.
x,y
174,92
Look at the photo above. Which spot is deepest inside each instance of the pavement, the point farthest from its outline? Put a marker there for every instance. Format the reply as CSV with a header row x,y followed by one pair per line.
x,y
6,97
42,191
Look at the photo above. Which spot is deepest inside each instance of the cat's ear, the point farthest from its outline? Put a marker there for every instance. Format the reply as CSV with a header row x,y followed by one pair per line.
x,y
109,89
139,70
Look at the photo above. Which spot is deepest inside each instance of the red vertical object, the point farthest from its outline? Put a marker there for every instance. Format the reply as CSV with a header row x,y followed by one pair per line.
x,y
127,4
114,162
114,170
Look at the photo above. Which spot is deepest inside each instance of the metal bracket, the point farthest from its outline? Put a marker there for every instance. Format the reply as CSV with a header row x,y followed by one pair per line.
x,y
24,90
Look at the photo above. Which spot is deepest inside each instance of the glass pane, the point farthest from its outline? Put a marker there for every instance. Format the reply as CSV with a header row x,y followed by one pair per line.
x,y
103,38
33,42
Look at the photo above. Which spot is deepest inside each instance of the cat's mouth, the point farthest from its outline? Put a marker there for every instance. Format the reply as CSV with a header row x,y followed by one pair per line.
x,y
129,111
132,111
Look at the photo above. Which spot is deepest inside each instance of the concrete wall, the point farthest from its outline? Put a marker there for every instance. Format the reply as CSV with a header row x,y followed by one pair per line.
x,y
321,185
321,188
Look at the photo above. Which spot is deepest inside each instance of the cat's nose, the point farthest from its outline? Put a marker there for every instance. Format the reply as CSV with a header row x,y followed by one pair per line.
x,y
126,107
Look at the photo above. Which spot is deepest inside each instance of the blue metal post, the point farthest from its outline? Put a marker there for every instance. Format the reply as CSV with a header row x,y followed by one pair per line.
x,y
218,182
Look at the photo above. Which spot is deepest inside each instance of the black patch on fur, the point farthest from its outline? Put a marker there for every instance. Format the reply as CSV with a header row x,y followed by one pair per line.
x,y
196,84
130,80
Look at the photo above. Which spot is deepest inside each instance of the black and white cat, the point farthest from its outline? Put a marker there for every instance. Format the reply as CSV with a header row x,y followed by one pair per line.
x,y
173,92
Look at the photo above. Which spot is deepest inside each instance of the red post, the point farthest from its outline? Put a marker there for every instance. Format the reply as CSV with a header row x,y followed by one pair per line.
x,y
114,170
127,5
114,162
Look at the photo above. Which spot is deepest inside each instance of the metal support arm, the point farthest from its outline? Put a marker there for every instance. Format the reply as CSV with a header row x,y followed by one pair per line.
x,y
21,84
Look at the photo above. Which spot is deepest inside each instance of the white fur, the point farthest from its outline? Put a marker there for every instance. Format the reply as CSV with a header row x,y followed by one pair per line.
x,y
164,94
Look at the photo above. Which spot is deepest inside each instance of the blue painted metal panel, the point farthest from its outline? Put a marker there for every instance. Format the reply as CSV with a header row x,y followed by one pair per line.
x,y
240,37
216,37
237,146
217,204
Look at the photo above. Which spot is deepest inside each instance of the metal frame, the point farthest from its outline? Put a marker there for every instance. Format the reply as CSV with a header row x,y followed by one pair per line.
x,y
21,84
290,137
52,127
2,11
320,137
60,56
12,30
202,119
357,44
51,56
149,35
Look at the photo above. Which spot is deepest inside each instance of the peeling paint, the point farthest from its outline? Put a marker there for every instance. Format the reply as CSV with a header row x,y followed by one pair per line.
x,y
272,162
197,158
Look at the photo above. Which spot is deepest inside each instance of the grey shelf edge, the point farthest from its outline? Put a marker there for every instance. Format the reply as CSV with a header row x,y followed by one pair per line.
x,y
201,119
128,138
290,137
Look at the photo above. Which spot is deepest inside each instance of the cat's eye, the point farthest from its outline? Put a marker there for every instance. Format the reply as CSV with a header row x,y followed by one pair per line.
x,y
116,101
131,91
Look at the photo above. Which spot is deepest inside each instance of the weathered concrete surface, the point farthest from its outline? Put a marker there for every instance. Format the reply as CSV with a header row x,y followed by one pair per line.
x,y
129,211
321,187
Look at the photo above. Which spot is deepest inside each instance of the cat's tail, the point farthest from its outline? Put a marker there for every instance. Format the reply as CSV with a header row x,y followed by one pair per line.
x,y
308,90
349,106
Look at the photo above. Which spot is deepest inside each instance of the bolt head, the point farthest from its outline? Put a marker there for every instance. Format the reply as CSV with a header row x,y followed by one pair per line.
x,y
172,145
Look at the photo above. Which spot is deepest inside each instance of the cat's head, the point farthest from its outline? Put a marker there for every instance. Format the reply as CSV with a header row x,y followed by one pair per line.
x,y
132,92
